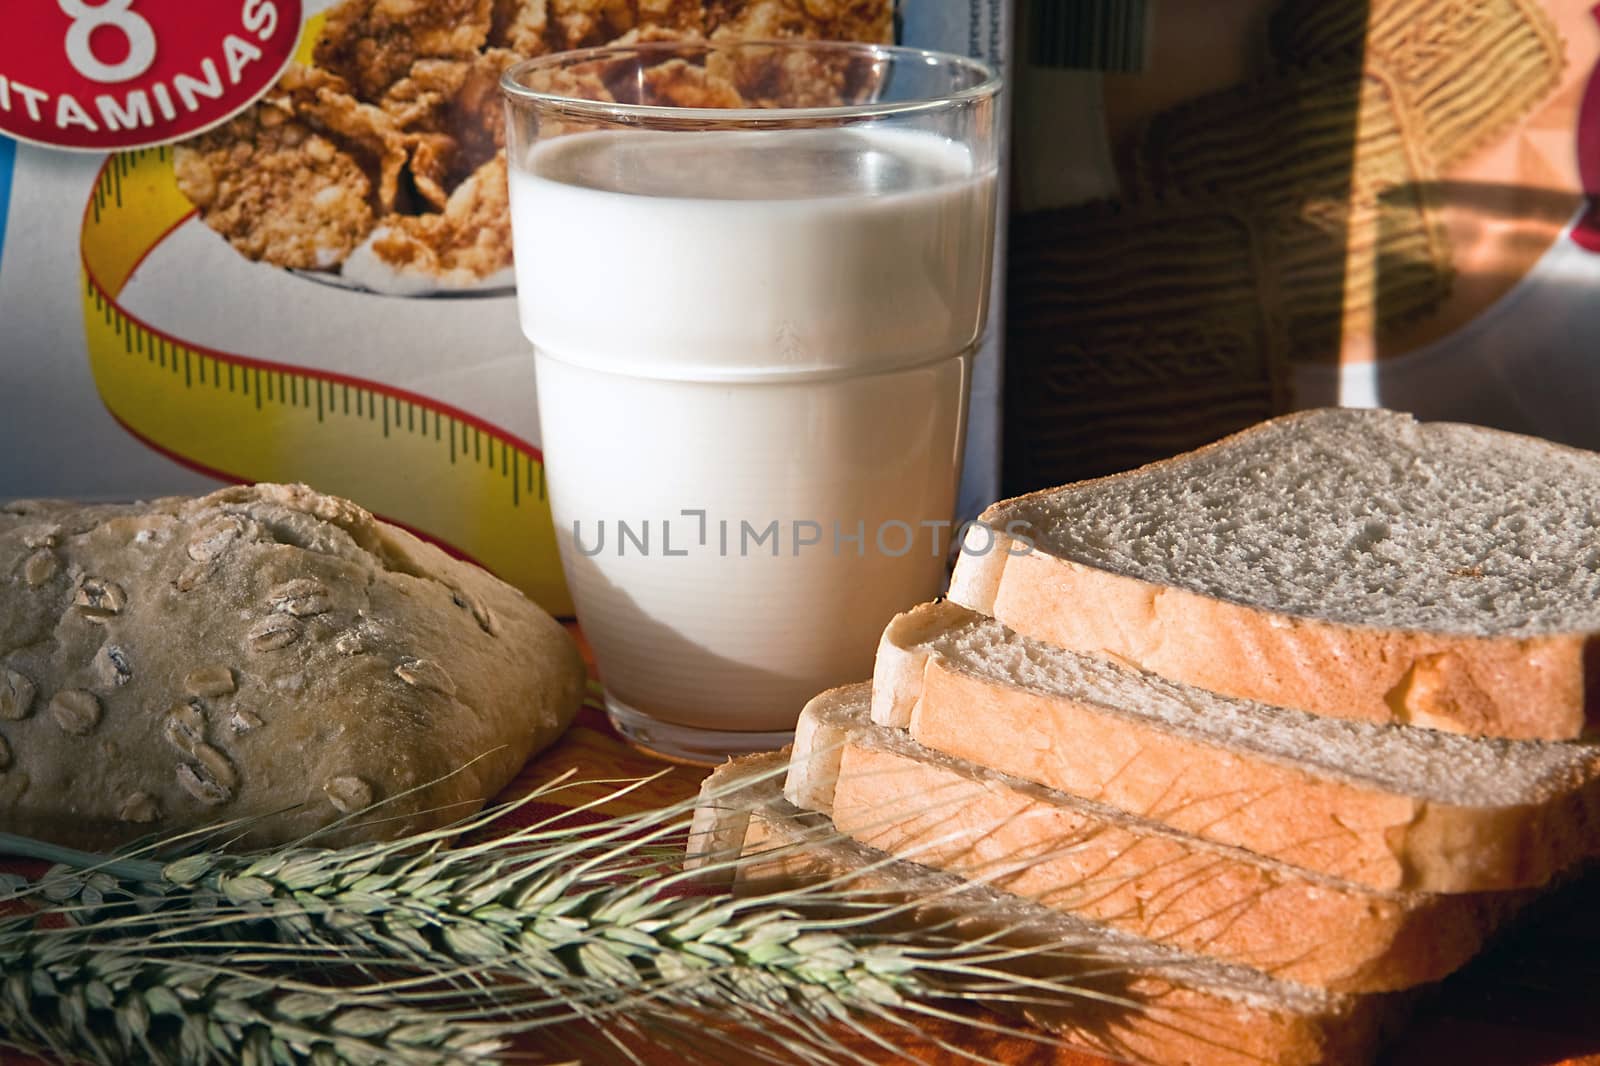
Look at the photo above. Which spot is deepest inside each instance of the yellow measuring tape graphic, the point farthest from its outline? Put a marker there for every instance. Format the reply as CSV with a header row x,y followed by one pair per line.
x,y
474,488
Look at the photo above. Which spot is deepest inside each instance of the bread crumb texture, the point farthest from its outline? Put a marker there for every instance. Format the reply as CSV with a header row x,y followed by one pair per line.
x,y
1362,517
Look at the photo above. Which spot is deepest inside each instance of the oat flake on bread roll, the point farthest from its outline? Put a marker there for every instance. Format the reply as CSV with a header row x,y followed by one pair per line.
x,y
263,652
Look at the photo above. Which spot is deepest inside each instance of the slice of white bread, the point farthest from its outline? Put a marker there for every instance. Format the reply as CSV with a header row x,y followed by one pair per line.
x,y
1389,806
887,791
1137,1000
1353,563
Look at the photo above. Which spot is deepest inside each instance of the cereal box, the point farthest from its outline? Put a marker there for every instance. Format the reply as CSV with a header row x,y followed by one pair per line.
x,y
1230,210
269,240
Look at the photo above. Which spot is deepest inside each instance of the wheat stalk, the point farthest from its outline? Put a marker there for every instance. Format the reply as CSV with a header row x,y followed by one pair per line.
x,y
73,998
524,930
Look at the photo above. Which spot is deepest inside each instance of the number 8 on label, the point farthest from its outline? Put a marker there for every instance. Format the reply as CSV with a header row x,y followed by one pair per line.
x,y
115,14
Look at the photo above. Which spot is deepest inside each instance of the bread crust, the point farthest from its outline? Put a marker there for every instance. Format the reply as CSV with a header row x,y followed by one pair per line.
x,y
1143,879
1527,688
1519,687
1175,1014
1172,1022
1338,825
270,655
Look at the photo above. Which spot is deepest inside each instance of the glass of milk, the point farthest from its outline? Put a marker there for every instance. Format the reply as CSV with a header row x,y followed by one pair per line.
x,y
754,276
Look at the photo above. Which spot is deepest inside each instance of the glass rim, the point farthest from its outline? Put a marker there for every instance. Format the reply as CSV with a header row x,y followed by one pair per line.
x,y
987,84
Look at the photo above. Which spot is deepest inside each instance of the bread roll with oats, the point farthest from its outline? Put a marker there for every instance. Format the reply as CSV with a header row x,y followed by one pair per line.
x,y
263,653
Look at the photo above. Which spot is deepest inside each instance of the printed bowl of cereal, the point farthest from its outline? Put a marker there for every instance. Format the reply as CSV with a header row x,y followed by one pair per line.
x,y
377,162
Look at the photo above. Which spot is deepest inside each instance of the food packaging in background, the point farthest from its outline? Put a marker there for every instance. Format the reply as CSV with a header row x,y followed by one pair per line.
x,y
318,289
1229,210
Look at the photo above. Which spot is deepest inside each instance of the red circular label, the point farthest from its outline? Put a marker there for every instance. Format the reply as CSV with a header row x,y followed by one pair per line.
x,y
108,74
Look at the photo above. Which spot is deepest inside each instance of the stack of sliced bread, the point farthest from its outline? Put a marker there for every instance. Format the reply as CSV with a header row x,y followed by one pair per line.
x,y
1273,731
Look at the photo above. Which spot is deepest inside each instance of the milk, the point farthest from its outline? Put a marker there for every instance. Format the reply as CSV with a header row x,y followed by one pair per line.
x,y
752,360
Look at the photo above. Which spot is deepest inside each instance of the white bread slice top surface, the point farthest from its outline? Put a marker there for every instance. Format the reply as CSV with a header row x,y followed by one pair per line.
x,y
747,787
1361,517
1429,764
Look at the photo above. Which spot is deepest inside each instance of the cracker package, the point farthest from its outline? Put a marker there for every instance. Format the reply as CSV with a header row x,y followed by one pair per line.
x,y
268,240
1229,210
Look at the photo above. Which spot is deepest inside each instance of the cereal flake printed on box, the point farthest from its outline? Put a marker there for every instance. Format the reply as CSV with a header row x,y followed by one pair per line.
x,y
386,155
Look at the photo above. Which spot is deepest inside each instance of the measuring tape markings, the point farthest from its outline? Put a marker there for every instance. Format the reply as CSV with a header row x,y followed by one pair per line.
x,y
425,465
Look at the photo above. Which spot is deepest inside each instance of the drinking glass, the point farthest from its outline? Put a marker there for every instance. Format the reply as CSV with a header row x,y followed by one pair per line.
x,y
754,275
